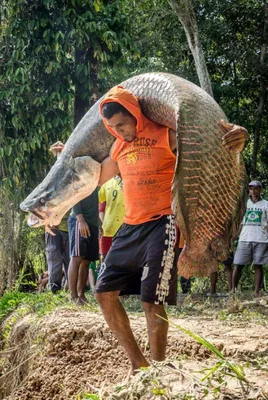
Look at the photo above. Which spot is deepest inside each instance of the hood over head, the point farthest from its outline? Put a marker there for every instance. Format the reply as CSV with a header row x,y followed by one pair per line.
x,y
124,97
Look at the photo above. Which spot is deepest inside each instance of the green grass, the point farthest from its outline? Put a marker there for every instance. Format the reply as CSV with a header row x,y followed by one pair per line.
x,y
10,301
15,305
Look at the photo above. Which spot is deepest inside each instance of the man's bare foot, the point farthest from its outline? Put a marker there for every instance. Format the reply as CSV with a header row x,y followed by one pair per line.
x,y
82,301
261,293
131,372
74,300
129,376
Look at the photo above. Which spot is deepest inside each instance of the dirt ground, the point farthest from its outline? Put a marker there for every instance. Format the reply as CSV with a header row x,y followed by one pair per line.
x,y
72,352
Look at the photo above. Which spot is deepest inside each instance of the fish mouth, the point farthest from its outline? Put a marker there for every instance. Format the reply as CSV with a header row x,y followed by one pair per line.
x,y
35,219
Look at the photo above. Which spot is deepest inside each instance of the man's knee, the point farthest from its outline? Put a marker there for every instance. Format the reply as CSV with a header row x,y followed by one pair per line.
x,y
153,310
105,299
257,267
238,267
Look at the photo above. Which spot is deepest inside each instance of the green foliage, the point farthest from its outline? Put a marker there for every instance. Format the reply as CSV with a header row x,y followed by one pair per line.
x,y
233,35
18,305
34,258
39,75
10,301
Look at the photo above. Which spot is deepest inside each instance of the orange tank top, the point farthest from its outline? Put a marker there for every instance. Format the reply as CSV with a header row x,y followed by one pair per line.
x,y
147,167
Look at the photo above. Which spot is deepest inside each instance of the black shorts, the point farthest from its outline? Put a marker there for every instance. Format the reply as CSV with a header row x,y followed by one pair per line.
x,y
143,260
229,261
88,248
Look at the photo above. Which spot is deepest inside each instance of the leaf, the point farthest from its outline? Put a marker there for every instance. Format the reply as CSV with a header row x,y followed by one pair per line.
x,y
96,5
79,69
46,32
36,119
36,101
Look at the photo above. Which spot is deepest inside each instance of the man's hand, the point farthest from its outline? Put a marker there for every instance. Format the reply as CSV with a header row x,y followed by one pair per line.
x,y
235,137
84,229
83,226
56,148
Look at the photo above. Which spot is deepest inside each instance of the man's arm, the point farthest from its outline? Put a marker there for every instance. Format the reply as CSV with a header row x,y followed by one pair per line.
x,y
172,140
109,168
83,226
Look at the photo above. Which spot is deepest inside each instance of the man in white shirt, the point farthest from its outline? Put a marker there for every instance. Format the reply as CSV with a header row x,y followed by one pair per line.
x,y
253,240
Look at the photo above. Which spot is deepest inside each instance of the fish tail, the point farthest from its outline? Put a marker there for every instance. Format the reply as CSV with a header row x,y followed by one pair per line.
x,y
194,263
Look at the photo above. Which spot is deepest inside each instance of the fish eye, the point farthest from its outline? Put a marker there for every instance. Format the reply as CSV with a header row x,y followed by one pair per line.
x,y
42,201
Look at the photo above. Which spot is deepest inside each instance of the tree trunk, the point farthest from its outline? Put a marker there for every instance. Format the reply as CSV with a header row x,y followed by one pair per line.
x,y
9,244
93,77
186,15
81,103
262,99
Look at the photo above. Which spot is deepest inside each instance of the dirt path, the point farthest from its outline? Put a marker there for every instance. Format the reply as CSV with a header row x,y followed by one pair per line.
x,y
71,352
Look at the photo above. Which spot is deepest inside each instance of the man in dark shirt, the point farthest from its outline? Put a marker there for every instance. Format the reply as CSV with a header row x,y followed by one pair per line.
x,y
84,240
84,244
57,254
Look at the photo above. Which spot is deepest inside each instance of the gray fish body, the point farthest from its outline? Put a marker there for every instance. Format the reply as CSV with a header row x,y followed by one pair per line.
x,y
209,182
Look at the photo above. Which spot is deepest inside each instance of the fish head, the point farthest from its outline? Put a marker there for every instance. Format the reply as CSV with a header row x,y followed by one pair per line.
x,y
70,180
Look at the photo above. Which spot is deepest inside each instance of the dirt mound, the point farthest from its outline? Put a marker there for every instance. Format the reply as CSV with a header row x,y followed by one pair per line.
x,y
72,352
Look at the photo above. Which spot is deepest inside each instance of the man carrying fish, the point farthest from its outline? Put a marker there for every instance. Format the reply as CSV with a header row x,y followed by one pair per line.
x,y
143,256
207,211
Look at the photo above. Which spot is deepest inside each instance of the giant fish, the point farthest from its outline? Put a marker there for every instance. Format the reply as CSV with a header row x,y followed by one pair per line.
x,y
208,191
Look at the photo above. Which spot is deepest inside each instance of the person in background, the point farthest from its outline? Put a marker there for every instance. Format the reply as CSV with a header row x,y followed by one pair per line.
x,y
57,247
111,212
253,240
229,274
185,283
84,246
83,237
42,281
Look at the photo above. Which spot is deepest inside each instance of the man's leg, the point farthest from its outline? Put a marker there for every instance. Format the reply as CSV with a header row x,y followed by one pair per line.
x,y
82,281
258,279
117,320
66,255
54,260
73,276
91,276
213,282
236,276
229,275
185,285
157,330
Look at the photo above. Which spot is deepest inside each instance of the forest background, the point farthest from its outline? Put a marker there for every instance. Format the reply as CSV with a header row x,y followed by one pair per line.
x,y
57,57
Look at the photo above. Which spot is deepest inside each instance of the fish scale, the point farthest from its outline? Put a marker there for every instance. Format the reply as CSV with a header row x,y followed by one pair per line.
x,y
208,191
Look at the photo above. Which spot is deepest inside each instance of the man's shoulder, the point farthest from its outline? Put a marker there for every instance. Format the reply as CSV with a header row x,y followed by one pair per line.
x,y
261,202
264,202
